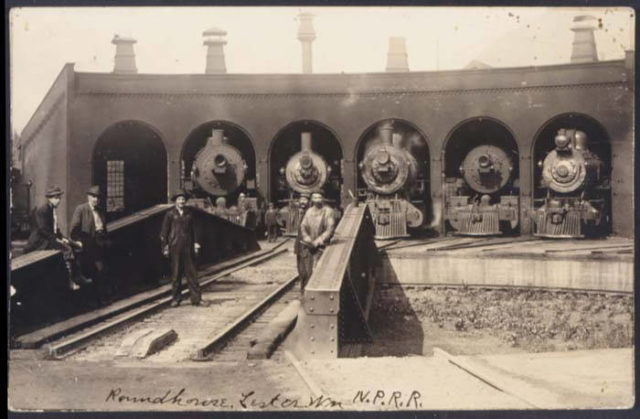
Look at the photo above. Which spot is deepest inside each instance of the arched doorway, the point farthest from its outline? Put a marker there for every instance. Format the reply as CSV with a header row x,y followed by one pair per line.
x,y
598,143
288,142
393,177
304,157
481,179
130,165
237,138
408,136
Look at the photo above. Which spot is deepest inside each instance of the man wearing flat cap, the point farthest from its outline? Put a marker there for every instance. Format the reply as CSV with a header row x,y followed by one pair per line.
x,y
46,235
89,227
180,240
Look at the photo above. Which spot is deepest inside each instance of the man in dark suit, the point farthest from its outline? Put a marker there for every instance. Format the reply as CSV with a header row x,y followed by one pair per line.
x,y
89,227
180,242
46,235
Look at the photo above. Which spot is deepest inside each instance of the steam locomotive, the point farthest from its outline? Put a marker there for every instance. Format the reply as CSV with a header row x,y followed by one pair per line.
x,y
574,179
305,172
483,202
219,169
390,172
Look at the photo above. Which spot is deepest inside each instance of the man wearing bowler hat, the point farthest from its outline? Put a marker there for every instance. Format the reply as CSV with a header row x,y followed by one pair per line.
x,y
46,235
89,227
180,240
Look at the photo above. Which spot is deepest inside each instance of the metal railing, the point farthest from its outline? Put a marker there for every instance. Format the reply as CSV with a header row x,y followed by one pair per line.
x,y
335,307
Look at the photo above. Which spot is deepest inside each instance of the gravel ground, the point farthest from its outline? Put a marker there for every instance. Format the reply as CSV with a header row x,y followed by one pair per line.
x,y
482,321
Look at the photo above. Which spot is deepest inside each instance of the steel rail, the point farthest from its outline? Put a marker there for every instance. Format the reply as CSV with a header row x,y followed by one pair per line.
x,y
37,338
62,349
221,339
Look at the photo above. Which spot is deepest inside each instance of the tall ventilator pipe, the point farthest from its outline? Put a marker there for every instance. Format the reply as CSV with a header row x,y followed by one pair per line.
x,y
306,35
584,42
397,58
125,58
215,42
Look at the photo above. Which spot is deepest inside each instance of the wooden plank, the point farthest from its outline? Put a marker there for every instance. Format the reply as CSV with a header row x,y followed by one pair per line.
x,y
31,258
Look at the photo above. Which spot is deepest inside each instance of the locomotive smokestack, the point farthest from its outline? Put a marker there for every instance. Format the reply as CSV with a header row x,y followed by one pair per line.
x,y
306,35
305,141
397,60
125,59
386,132
217,137
396,140
584,43
215,42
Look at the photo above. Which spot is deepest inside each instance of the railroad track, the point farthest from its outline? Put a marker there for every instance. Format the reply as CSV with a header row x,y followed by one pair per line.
x,y
238,295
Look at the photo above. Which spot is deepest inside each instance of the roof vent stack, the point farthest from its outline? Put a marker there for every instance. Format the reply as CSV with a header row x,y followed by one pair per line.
x,y
125,59
584,42
215,42
306,35
397,59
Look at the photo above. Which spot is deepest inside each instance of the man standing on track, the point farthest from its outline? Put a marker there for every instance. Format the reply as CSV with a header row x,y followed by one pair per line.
x,y
180,242
316,230
89,227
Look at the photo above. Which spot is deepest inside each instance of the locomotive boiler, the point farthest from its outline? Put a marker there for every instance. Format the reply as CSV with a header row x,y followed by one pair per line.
x,y
390,172
482,203
218,168
305,172
573,177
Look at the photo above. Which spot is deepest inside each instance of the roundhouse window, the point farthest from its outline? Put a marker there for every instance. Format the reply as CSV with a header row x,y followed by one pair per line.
x,y
115,186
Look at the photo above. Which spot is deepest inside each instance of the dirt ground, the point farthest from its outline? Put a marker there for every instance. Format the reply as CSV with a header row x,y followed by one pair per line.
x,y
471,321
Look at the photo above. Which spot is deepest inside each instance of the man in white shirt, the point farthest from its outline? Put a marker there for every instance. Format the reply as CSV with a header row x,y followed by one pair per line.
x,y
89,227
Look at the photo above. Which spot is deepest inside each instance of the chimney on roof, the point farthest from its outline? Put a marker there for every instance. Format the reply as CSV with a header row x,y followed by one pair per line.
x,y
306,35
215,42
125,59
397,55
584,43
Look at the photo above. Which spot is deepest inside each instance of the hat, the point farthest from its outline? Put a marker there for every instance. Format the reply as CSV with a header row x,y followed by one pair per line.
x,y
53,191
94,190
180,192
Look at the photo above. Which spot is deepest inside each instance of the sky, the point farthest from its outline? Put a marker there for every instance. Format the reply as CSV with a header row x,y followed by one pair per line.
x,y
263,40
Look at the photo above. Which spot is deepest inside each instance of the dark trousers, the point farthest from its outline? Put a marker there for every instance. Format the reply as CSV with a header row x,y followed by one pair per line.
x,y
272,232
93,266
182,265
306,259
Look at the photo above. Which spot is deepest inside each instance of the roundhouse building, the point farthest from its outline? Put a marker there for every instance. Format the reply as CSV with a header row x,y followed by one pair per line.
x,y
137,134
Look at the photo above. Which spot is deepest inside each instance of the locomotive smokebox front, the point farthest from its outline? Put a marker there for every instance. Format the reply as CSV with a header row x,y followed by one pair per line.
x,y
219,168
306,171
